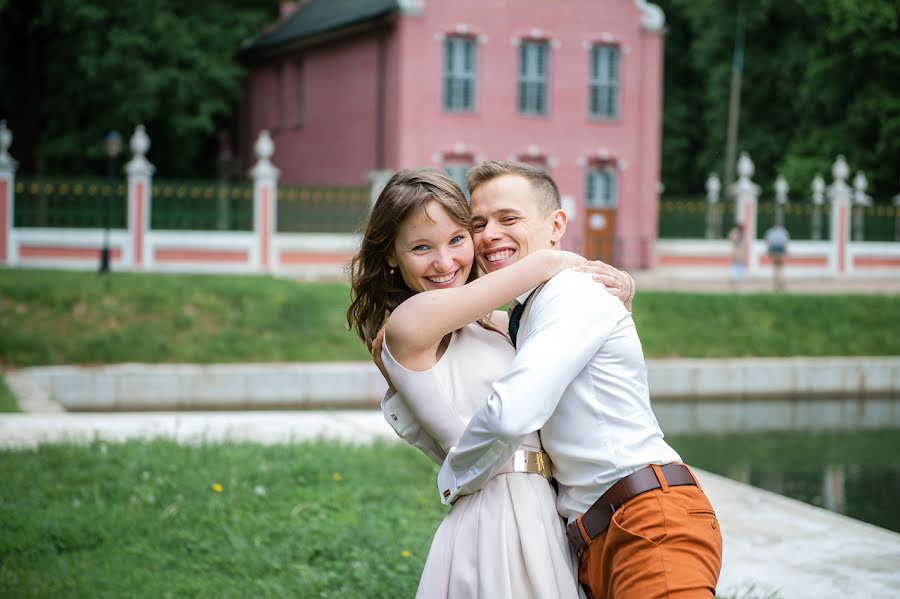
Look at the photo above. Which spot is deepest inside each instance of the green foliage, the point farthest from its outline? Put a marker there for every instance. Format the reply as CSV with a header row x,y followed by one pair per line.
x,y
819,79
8,402
88,66
49,317
144,520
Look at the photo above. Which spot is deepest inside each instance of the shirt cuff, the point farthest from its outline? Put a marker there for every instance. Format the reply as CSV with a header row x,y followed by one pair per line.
x,y
447,486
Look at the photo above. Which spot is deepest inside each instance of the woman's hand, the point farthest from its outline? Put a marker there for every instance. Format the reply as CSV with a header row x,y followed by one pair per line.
x,y
618,282
376,357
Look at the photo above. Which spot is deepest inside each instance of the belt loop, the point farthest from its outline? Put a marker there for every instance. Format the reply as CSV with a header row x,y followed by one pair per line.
x,y
584,535
661,477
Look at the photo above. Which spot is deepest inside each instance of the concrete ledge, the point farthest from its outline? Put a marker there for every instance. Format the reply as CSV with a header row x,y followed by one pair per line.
x,y
776,546
710,395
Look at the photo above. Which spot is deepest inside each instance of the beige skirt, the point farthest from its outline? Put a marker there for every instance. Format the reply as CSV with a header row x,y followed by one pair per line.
x,y
506,541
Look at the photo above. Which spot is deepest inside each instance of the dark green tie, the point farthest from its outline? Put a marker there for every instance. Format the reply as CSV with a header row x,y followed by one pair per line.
x,y
514,317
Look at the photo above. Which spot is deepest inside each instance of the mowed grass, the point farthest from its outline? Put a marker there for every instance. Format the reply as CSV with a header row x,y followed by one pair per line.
x,y
155,520
8,402
53,317
49,317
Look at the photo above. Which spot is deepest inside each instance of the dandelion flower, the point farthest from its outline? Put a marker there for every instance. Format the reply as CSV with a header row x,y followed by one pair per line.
x,y
217,487
337,476
405,553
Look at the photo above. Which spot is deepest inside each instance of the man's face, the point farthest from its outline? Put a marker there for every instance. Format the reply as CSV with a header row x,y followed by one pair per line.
x,y
508,223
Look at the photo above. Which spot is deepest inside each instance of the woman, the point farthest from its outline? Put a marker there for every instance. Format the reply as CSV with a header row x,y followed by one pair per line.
x,y
442,354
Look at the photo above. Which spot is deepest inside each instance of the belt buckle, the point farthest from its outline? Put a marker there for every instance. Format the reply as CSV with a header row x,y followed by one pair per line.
x,y
542,465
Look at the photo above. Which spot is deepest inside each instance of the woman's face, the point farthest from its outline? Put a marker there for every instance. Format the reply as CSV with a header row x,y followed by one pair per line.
x,y
432,250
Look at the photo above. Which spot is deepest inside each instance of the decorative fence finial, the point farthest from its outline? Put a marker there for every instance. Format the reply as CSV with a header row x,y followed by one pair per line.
x,y
713,222
818,198
860,184
713,187
6,137
745,166
264,148
781,189
140,145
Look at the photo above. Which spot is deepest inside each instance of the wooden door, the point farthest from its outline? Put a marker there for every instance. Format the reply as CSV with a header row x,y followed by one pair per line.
x,y
599,232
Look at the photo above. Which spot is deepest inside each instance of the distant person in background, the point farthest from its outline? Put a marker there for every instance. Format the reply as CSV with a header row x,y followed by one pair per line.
x,y
777,239
740,248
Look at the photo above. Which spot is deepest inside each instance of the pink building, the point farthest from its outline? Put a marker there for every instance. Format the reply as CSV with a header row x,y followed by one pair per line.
x,y
347,88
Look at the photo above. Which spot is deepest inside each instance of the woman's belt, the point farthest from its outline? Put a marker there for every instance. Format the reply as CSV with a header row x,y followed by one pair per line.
x,y
525,460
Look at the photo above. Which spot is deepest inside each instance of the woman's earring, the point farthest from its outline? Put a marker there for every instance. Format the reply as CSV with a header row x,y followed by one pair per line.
x,y
554,241
392,271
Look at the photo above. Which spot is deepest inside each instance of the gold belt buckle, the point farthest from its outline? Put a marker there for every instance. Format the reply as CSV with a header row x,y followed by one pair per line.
x,y
543,464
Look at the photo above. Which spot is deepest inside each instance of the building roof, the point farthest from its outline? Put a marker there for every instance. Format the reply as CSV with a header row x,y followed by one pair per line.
x,y
314,18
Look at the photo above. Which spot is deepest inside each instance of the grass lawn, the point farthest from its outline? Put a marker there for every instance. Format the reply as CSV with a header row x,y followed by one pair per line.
x,y
154,519
8,402
160,520
56,317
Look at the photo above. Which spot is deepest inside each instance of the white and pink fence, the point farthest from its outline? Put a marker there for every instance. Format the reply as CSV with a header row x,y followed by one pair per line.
x,y
265,250
835,256
139,248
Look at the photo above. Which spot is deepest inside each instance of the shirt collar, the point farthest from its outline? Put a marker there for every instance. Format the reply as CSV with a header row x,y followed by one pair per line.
x,y
524,297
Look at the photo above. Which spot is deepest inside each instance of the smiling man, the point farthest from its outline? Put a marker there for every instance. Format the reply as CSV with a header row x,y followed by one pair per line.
x,y
636,515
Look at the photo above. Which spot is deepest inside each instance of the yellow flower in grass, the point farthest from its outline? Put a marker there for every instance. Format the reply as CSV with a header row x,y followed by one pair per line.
x,y
337,476
217,487
405,553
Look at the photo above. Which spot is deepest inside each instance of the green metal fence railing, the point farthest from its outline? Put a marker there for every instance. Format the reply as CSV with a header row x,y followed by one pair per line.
x,y
322,209
686,219
201,206
69,202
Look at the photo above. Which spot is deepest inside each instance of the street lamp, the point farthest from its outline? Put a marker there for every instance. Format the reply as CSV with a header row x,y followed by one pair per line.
x,y
113,146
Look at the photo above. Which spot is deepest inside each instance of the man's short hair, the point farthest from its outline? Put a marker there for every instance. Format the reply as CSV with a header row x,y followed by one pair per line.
x,y
543,187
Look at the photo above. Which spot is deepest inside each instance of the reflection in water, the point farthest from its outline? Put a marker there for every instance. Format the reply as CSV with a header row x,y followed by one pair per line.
x,y
852,473
833,488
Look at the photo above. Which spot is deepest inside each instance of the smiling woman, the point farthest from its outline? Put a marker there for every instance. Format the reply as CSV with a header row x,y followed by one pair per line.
x,y
432,250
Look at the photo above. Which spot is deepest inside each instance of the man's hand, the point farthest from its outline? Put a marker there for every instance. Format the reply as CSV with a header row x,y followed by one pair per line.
x,y
618,282
376,357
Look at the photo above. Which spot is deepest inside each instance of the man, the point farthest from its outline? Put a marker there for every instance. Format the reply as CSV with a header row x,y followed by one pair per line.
x,y
777,239
638,518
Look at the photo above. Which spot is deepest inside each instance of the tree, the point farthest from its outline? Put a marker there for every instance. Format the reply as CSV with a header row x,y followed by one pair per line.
x,y
817,82
78,68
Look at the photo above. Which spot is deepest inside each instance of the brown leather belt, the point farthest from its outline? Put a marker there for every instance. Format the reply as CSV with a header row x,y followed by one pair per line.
x,y
597,518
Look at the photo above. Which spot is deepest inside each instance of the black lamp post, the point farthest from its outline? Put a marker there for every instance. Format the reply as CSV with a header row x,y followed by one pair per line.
x,y
113,147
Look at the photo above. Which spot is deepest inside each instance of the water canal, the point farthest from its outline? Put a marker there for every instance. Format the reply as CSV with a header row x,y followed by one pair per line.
x,y
853,473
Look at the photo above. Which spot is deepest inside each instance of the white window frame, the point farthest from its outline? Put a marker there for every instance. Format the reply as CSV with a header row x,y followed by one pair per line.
x,y
458,172
602,187
460,67
534,68
604,101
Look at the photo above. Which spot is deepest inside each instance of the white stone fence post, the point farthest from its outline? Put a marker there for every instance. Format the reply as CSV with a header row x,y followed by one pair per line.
x,y
265,202
713,217
818,199
746,194
839,194
860,201
7,195
140,192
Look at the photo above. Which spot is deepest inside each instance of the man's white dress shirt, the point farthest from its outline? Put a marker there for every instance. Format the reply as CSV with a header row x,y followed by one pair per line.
x,y
579,377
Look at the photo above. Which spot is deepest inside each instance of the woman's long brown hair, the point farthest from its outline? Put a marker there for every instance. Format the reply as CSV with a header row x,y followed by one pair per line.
x,y
374,289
